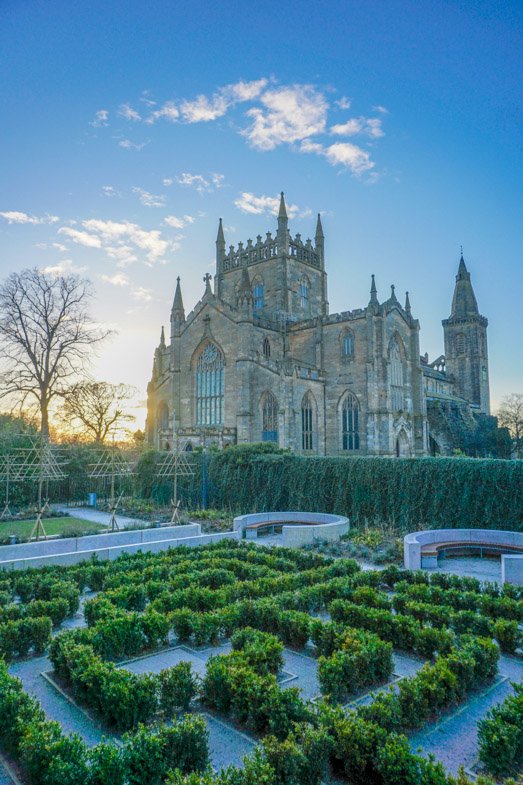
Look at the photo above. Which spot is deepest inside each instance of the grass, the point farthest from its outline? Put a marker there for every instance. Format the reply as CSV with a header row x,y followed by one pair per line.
x,y
65,526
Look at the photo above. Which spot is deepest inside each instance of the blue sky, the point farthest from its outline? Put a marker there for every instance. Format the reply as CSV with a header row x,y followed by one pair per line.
x,y
128,129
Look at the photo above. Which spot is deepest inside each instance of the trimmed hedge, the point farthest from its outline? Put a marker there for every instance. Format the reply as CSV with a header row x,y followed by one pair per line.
x,y
500,735
48,757
411,493
18,638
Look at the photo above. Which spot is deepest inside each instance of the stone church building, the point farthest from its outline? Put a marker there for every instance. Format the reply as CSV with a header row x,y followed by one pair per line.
x,y
260,358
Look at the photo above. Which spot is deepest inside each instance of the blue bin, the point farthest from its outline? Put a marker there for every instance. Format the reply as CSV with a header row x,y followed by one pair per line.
x,y
91,499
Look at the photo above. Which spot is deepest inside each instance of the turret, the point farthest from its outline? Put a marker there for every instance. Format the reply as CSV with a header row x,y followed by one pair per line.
x,y
373,302
162,338
466,352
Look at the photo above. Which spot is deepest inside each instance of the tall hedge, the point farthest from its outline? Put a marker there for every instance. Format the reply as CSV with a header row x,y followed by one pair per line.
x,y
410,493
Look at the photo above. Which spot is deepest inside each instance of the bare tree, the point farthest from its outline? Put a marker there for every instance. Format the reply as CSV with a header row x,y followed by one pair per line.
x,y
46,336
96,410
510,415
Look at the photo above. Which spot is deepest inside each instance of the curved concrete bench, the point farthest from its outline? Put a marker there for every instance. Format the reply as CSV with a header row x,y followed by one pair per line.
x,y
420,549
298,528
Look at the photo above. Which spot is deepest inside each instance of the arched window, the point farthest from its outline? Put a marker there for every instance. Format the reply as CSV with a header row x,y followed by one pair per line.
x,y
269,418
304,293
209,386
259,294
347,344
396,377
350,423
307,422
266,347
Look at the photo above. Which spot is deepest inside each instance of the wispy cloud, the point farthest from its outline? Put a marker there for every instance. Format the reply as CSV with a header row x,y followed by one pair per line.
x,y
127,111
64,267
148,199
199,182
288,114
17,217
141,294
118,279
256,205
271,115
352,157
204,109
81,238
109,190
127,144
371,126
178,223
100,119
121,233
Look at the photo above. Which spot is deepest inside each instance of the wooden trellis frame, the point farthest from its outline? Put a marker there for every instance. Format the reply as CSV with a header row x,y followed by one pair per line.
x,y
112,464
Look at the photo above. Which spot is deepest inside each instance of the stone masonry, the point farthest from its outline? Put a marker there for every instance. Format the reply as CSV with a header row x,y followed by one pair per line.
x,y
261,359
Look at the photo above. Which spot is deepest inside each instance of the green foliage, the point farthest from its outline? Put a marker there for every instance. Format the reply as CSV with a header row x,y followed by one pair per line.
x,y
412,493
18,638
500,735
262,651
362,660
178,686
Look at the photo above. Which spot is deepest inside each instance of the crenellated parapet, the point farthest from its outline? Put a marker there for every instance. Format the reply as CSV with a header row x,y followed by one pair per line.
x,y
270,248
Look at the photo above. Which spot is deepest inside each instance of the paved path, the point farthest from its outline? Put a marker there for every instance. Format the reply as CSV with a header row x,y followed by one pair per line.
x,y
104,518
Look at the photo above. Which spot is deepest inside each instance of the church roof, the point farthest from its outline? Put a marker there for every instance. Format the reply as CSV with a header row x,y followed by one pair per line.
x,y
464,302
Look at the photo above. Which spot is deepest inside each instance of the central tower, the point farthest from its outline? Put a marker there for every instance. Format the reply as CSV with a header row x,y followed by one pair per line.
x,y
287,276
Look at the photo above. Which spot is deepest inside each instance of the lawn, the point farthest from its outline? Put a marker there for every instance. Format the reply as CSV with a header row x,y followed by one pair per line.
x,y
61,526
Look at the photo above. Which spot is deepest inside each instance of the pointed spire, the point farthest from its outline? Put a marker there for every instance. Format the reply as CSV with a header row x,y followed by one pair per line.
x,y
407,305
319,230
373,293
464,302
393,297
220,239
178,312
283,210
283,223
162,338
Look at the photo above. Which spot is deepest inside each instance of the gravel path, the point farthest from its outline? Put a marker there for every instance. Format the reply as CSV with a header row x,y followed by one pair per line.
x,y
72,719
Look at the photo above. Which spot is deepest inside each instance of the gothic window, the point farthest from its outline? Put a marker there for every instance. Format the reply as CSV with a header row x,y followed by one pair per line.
x,y
307,424
259,294
266,347
350,423
209,386
396,377
347,344
304,293
269,418
460,343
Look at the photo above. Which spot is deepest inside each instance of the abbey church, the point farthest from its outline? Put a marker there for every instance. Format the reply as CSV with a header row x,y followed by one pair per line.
x,y
260,358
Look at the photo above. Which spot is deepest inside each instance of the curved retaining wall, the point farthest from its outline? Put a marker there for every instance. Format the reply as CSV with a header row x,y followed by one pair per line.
x,y
73,550
413,543
302,528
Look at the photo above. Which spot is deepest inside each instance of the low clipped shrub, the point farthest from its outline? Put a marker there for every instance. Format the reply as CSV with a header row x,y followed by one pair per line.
x,y
18,638
261,650
500,735
178,686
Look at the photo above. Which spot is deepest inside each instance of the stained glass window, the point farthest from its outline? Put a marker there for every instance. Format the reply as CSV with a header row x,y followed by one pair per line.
x,y
209,386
